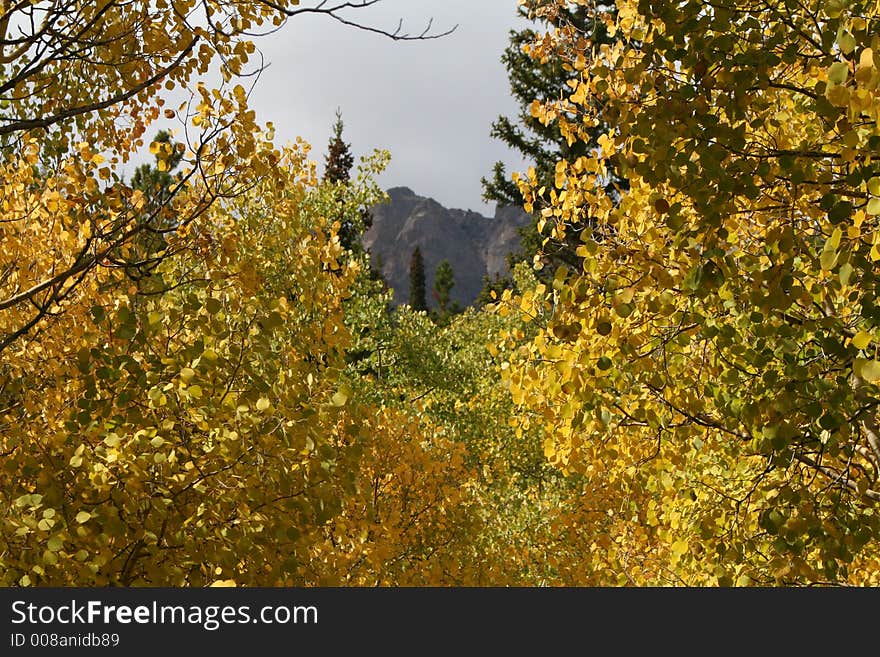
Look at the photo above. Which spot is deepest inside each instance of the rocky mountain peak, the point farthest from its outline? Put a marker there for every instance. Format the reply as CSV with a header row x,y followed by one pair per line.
x,y
476,246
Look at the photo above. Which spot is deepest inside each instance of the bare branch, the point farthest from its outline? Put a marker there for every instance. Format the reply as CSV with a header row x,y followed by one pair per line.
x,y
333,11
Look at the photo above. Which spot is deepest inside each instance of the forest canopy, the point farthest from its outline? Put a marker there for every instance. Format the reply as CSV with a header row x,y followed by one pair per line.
x,y
202,380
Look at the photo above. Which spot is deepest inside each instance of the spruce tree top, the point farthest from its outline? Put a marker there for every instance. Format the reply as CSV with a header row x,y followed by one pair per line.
x,y
339,159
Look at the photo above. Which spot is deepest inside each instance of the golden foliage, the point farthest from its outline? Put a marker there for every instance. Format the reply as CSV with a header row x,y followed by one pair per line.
x,y
712,362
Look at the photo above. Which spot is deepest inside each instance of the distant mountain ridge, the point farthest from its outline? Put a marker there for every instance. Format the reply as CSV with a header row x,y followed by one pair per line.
x,y
475,246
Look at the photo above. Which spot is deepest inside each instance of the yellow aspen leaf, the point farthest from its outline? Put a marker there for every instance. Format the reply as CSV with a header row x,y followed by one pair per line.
x,y
861,340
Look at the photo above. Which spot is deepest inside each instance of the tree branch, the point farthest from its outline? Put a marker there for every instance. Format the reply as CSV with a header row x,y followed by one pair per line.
x,y
30,124
332,11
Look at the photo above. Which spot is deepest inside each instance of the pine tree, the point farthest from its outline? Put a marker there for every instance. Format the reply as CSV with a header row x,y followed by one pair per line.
x,y
157,183
444,281
339,160
337,170
542,146
417,298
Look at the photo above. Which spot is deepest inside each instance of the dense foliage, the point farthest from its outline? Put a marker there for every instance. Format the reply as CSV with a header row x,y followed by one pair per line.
x,y
714,360
202,382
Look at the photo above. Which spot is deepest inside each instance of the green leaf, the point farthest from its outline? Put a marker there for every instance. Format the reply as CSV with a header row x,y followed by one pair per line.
x,y
124,316
212,305
55,543
272,320
83,517
340,397
834,8
846,41
82,359
624,310
837,72
841,211
828,259
873,207
845,272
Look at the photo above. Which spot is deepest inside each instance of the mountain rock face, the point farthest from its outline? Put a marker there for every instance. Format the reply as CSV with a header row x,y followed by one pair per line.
x,y
475,246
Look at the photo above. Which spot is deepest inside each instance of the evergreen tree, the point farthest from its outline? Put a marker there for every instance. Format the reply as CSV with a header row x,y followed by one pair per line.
x,y
156,180
157,183
542,146
444,281
337,170
417,298
339,160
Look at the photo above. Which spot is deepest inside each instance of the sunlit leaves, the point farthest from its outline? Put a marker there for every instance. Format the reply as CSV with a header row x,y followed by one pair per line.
x,y
730,290
185,417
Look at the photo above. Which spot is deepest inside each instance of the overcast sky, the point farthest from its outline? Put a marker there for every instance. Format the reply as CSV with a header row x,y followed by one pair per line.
x,y
430,103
